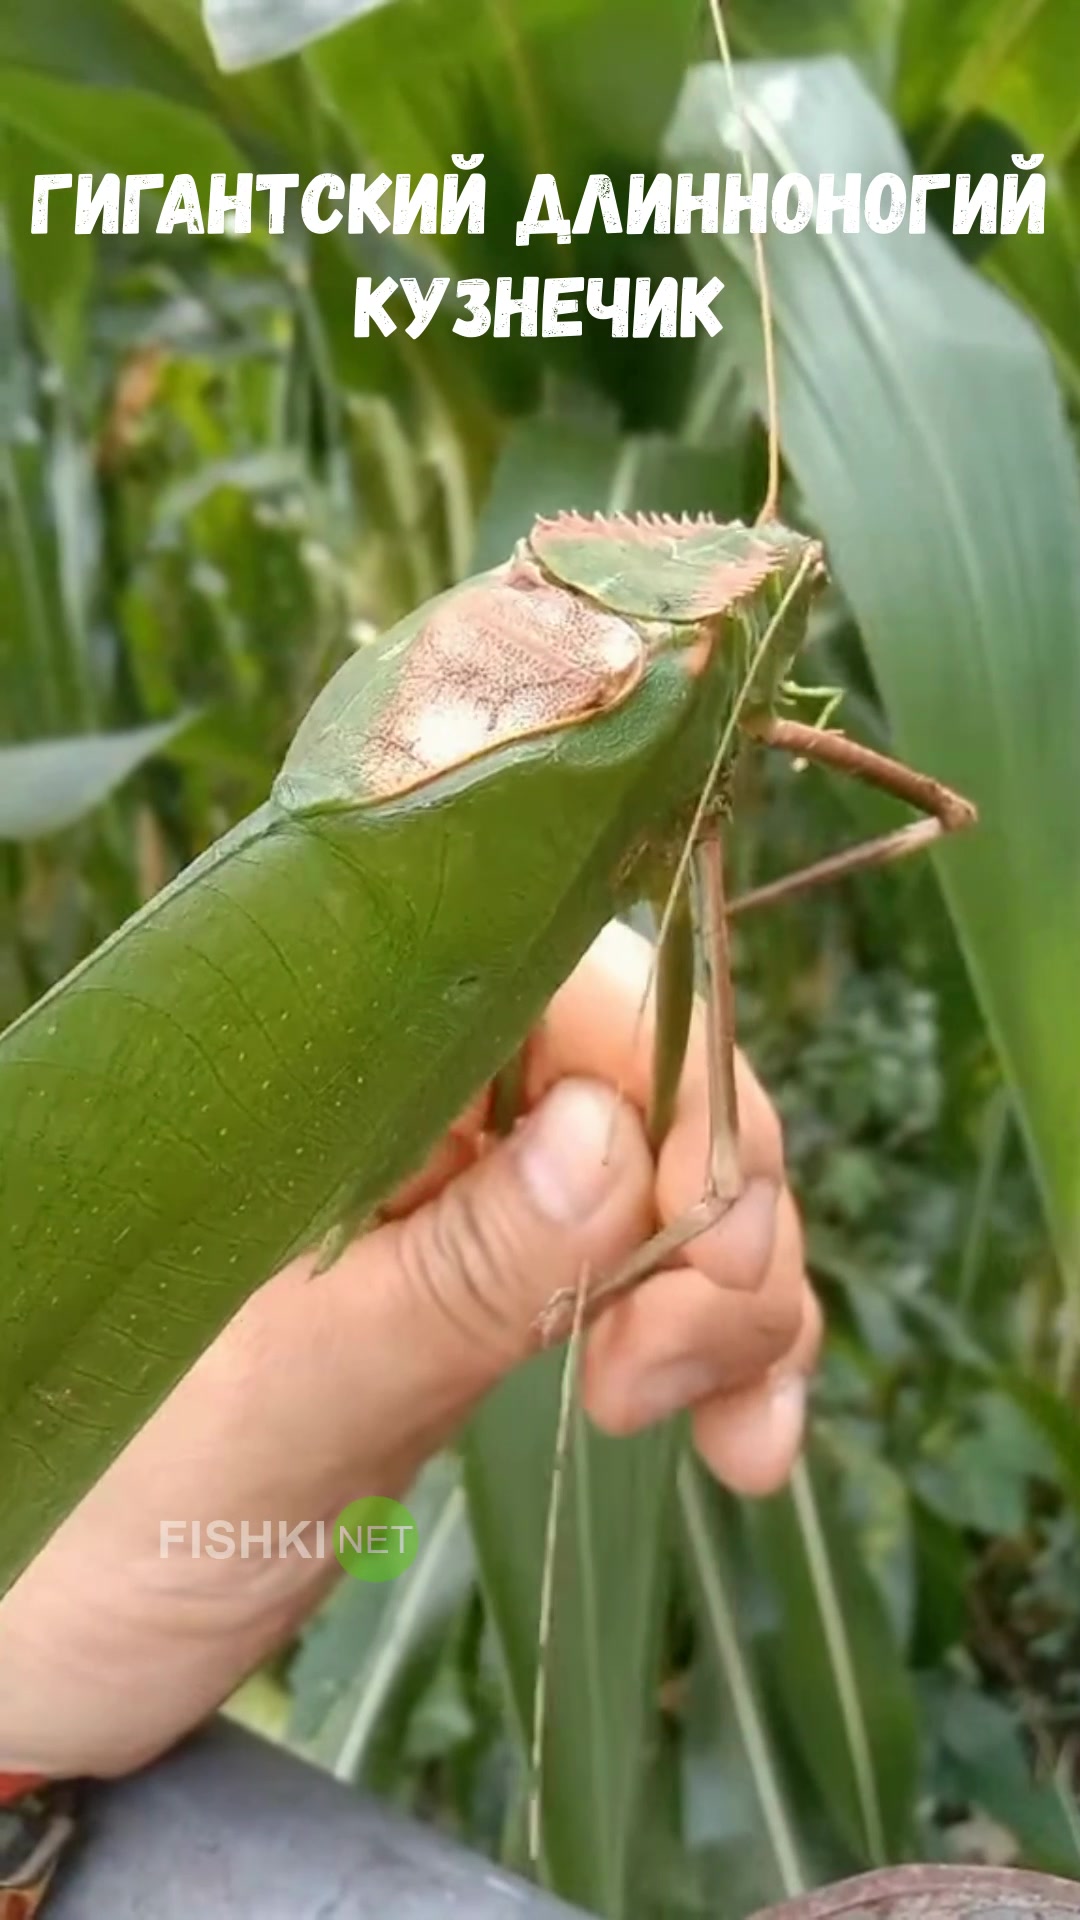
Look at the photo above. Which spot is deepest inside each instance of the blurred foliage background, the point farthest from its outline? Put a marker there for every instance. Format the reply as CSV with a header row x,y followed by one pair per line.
x,y
209,493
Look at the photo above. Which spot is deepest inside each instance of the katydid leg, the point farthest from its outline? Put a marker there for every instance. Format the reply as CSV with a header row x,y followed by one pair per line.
x,y
508,1093
947,811
725,1178
674,1007
723,1181
837,866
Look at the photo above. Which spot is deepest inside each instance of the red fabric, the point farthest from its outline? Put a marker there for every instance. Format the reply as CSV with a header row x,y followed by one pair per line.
x,y
14,1785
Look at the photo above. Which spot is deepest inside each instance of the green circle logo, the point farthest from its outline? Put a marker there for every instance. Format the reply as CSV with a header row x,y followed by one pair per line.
x,y
375,1538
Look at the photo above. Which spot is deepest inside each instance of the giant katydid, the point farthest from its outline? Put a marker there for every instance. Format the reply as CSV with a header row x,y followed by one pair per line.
x,y
275,1041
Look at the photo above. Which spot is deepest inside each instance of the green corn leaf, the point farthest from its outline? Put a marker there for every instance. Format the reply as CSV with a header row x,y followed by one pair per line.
x,y
49,784
838,1670
601,1664
984,1761
53,271
141,51
365,1656
101,43
749,1815
921,418
245,32
1042,272
1058,1423
98,130
865,30
1017,63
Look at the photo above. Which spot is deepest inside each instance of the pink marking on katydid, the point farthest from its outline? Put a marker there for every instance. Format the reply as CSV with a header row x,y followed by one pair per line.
x,y
496,663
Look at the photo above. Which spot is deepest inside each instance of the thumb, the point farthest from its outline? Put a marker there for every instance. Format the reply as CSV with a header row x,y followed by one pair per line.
x,y
570,1189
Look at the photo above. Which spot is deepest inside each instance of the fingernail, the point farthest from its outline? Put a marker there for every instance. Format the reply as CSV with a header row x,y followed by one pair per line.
x,y
787,1412
756,1440
564,1151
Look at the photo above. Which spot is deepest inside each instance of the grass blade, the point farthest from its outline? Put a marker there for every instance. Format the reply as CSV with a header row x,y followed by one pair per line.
x,y
49,784
717,1620
611,1580
842,1681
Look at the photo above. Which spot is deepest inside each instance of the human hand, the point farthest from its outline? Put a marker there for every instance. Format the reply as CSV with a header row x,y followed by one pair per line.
x,y
326,1387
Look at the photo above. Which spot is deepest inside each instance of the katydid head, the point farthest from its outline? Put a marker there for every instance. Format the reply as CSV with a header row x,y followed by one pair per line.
x,y
694,580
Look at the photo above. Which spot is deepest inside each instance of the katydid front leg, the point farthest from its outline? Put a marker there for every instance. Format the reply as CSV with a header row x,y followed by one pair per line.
x,y
674,997
674,1003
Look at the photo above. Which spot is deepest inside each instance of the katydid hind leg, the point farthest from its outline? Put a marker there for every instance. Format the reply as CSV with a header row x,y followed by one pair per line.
x,y
866,855
508,1093
725,1177
946,811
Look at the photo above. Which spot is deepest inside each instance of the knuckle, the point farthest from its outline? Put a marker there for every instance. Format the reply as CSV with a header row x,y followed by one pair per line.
x,y
460,1260
778,1313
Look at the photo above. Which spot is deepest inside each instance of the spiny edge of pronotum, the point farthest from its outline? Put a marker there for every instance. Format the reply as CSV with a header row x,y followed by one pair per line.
x,y
619,525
